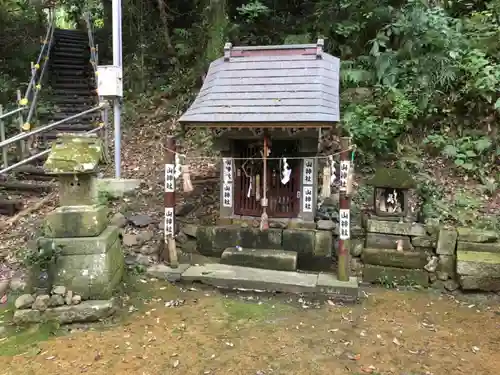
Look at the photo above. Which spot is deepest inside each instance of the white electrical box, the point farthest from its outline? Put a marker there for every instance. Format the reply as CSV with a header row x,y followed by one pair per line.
x,y
109,80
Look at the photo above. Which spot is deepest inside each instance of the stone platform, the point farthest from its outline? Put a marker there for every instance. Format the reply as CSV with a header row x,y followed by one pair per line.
x,y
246,278
279,260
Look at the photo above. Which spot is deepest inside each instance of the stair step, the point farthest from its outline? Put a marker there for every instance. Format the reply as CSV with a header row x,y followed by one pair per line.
x,y
234,277
24,186
81,67
71,86
66,61
73,55
75,127
270,259
75,93
82,101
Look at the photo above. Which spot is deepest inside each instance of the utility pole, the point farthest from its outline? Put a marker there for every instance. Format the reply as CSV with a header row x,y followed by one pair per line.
x,y
117,62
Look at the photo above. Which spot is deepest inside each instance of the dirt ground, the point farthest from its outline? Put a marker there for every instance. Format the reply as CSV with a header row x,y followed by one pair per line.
x,y
167,330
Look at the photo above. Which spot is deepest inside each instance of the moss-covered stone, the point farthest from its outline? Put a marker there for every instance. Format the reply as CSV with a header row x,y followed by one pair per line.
x,y
475,235
272,259
323,246
205,240
447,263
493,247
390,275
389,227
93,276
476,263
74,153
302,241
77,190
82,245
447,242
387,241
257,239
392,178
485,284
76,221
423,241
394,258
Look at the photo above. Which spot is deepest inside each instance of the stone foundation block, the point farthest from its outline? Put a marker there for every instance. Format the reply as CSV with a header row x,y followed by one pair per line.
x,y
403,229
82,245
493,247
255,238
323,244
76,221
479,264
387,241
394,258
447,263
279,260
423,241
91,273
486,284
399,276
475,235
447,242
302,241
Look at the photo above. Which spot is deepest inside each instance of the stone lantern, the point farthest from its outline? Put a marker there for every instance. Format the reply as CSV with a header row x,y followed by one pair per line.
x,y
391,188
89,259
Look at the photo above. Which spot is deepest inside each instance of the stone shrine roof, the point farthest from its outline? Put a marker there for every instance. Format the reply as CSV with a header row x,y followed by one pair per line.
x,y
269,84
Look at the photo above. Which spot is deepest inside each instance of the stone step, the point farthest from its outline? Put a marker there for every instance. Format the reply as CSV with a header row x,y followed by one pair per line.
x,y
271,259
246,278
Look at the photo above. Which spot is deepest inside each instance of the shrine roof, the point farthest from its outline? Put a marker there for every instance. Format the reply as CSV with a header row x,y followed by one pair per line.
x,y
286,84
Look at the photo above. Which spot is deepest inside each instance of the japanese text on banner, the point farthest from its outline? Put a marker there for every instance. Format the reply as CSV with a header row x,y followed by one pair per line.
x,y
345,165
227,195
169,221
307,199
345,224
227,165
169,178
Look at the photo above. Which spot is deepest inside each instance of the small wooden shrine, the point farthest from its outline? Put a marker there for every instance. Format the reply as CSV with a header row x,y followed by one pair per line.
x,y
391,188
265,106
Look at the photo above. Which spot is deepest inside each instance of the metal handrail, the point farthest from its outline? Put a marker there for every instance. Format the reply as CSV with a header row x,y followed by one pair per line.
x,y
40,154
13,112
40,79
49,34
41,129
47,43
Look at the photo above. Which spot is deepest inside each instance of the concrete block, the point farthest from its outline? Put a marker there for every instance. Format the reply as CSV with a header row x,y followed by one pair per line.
x,y
116,188
387,241
236,277
476,235
328,284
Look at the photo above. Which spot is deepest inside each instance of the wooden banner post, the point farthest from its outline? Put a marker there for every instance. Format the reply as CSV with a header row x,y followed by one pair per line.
x,y
343,265
169,248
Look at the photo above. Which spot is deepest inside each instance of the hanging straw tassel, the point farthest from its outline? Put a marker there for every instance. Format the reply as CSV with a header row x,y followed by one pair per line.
x,y
187,186
326,187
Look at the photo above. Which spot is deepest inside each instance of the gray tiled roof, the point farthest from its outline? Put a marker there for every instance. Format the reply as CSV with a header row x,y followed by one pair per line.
x,y
264,87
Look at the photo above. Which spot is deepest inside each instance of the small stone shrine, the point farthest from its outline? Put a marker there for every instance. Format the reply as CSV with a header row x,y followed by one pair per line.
x,y
89,258
391,189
